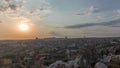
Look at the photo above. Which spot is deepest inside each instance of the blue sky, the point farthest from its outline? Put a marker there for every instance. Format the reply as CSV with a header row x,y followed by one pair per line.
x,y
60,18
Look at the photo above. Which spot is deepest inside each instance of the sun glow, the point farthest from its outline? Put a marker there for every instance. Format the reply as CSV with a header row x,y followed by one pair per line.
x,y
23,27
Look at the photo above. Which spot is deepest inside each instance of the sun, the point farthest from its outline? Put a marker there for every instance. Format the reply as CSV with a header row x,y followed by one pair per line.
x,y
23,27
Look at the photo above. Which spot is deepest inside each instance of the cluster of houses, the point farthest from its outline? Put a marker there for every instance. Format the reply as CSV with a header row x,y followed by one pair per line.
x,y
66,55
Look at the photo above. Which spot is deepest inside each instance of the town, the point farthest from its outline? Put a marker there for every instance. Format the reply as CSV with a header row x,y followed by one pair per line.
x,y
60,53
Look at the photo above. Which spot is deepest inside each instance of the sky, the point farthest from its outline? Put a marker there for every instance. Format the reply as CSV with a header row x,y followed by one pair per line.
x,y
59,18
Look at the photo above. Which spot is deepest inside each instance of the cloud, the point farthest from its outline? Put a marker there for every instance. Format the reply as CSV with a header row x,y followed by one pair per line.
x,y
41,11
13,7
1,22
109,23
118,12
3,8
55,33
24,8
89,11
99,18
10,6
7,0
